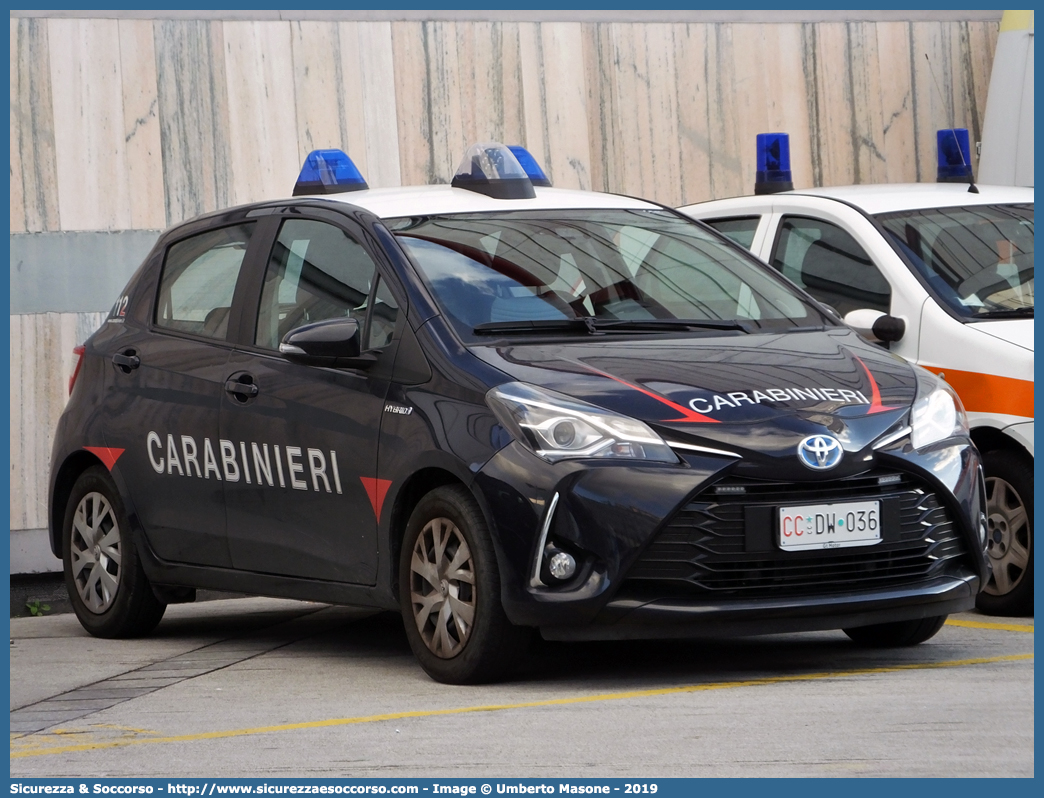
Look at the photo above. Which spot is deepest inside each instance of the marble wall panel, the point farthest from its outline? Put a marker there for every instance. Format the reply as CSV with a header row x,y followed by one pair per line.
x,y
446,123
34,171
726,161
320,93
143,155
412,100
690,57
770,94
41,362
103,90
947,91
368,62
259,81
555,101
896,99
17,203
193,102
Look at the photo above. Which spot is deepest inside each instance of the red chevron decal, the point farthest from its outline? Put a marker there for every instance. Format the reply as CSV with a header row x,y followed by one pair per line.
x,y
687,414
875,392
376,489
107,456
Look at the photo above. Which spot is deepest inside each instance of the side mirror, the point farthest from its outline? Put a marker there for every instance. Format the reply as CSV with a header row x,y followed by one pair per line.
x,y
331,342
875,325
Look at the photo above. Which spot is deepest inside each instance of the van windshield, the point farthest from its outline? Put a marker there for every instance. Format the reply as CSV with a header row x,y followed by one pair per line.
x,y
622,269
978,260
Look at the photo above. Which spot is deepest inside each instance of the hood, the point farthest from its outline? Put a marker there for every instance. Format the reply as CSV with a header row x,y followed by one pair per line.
x,y
756,394
1014,331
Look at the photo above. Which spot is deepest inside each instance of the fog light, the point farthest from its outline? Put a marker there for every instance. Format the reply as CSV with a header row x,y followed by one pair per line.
x,y
562,565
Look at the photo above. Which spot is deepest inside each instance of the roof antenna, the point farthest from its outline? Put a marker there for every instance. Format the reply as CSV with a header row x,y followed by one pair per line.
x,y
972,188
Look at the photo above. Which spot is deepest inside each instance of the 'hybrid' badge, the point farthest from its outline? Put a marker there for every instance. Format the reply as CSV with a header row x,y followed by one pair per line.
x,y
820,452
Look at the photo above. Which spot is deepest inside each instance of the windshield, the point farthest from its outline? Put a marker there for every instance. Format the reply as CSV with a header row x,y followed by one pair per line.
x,y
977,260
640,269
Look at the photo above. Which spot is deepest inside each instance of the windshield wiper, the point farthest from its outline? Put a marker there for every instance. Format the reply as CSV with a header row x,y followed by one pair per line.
x,y
1005,313
592,325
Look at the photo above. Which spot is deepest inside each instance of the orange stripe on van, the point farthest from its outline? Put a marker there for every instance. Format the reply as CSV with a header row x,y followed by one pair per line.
x,y
988,393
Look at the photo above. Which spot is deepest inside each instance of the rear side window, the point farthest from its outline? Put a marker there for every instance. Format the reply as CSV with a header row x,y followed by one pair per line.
x,y
199,279
739,229
828,263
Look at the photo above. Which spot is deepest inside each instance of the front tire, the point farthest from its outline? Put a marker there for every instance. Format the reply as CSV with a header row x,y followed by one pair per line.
x,y
107,586
1009,520
898,634
449,592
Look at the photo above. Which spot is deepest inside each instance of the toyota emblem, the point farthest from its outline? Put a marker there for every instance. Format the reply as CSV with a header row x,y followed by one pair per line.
x,y
820,452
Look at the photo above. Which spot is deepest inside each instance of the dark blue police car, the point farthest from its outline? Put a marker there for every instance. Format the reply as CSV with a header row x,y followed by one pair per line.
x,y
500,407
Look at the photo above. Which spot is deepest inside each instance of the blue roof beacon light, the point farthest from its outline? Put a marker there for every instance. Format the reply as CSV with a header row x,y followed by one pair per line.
x,y
773,173
954,156
530,165
493,170
328,172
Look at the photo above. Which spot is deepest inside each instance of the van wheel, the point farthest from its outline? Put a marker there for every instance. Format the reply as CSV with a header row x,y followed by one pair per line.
x,y
107,586
1009,534
449,592
898,634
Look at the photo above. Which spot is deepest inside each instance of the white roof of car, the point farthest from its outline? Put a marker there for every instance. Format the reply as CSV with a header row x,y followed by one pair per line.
x,y
877,198
388,203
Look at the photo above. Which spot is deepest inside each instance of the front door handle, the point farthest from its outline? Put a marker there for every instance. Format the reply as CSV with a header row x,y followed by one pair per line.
x,y
126,361
240,389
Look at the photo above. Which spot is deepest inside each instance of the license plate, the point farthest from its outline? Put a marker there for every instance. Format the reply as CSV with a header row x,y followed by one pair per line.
x,y
829,526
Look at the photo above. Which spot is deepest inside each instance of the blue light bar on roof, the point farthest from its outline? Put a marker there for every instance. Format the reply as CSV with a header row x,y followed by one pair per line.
x,y
954,155
328,172
493,170
529,164
773,173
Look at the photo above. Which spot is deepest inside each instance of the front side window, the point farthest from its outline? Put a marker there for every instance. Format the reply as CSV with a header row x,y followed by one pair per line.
x,y
828,263
978,261
317,271
605,265
198,281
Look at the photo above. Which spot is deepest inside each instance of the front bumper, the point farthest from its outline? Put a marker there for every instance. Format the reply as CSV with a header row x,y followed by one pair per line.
x,y
647,569
632,619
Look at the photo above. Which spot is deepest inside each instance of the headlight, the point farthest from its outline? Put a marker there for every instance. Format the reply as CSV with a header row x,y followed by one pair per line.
x,y
558,427
937,412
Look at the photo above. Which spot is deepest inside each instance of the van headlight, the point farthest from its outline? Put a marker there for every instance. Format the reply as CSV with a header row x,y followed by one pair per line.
x,y
937,412
558,427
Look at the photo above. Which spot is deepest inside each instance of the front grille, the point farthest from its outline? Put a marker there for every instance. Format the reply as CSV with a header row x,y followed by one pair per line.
x,y
722,543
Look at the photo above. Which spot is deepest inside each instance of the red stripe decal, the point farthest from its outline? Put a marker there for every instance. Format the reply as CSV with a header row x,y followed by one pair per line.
x,y
688,414
107,456
875,392
376,489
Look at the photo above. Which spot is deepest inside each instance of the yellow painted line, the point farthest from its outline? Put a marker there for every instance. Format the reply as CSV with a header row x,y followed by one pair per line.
x,y
1005,627
551,702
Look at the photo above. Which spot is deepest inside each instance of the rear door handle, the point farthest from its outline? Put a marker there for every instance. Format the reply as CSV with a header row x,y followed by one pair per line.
x,y
237,388
126,362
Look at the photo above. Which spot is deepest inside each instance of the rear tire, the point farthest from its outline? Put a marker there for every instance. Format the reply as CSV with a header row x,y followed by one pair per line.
x,y
107,586
898,634
449,592
1009,514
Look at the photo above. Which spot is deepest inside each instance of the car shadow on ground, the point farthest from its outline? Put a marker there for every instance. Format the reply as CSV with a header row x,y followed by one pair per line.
x,y
363,634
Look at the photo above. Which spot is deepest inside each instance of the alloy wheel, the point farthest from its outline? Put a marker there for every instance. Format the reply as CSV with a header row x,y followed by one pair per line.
x,y
442,588
1007,536
95,552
